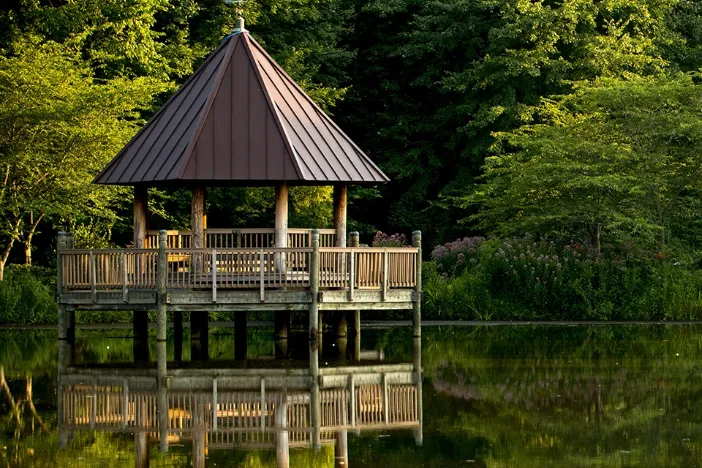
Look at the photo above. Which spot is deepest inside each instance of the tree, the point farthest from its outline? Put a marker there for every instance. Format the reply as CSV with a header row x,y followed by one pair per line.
x,y
58,128
611,161
434,80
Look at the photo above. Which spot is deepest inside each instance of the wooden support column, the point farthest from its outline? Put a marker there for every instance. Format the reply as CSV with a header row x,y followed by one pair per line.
x,y
197,218
340,203
141,209
417,316
240,336
281,225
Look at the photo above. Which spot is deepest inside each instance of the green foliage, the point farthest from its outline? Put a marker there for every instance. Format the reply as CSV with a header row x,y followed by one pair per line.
x,y
27,296
609,162
528,279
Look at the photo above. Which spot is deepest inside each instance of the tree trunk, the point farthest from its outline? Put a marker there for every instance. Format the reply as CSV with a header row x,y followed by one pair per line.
x,y
27,241
598,236
6,253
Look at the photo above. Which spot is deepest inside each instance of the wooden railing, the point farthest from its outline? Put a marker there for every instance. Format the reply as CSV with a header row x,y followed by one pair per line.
x,y
261,268
242,238
368,268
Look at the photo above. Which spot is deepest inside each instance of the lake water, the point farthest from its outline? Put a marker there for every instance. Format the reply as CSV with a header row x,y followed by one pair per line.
x,y
508,396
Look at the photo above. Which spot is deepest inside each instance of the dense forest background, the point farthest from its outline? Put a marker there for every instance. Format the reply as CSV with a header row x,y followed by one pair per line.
x,y
572,124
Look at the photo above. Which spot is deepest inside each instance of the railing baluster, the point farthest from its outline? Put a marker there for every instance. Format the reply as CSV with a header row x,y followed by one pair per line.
x,y
214,275
92,273
263,297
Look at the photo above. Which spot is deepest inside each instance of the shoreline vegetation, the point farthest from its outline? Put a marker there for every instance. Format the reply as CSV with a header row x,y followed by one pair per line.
x,y
474,279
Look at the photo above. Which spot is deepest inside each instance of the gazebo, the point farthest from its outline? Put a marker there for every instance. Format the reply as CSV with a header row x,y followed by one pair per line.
x,y
240,120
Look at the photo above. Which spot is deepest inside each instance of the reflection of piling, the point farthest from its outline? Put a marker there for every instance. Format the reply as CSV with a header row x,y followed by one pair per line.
x,y
141,440
282,446
341,452
199,434
161,342
417,369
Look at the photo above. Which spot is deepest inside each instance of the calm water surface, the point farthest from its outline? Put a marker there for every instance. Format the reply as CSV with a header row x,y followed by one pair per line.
x,y
513,396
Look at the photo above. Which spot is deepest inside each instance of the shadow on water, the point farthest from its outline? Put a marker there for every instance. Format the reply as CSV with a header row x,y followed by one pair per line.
x,y
528,396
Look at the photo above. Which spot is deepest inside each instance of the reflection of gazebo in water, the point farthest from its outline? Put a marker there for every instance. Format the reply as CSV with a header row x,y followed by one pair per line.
x,y
259,408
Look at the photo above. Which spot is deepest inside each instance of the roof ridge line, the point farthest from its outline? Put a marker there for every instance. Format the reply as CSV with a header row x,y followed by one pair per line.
x,y
188,153
272,106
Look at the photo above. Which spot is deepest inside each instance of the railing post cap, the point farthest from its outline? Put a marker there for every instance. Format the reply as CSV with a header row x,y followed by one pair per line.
x,y
417,234
315,233
163,233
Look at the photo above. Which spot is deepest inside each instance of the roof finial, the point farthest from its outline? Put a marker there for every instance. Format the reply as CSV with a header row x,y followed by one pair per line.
x,y
239,22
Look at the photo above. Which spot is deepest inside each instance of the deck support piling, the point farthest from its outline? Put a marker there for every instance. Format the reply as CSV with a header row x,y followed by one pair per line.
x,y
315,333
340,204
199,336
417,315
161,342
354,242
178,336
140,329
240,336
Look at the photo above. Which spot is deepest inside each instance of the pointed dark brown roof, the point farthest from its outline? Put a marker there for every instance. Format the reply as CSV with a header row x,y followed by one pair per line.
x,y
240,119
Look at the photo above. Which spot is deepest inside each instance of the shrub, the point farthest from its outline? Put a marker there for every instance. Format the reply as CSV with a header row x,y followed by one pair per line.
x,y
524,278
27,296
454,257
393,240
